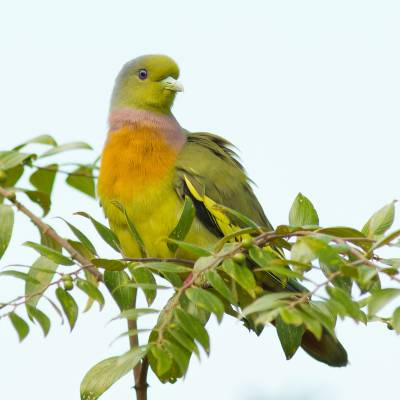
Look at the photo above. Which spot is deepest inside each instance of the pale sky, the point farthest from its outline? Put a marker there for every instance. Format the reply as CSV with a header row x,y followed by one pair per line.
x,y
309,91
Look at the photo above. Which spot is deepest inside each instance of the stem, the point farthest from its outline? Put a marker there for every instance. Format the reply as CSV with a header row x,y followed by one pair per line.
x,y
140,371
50,232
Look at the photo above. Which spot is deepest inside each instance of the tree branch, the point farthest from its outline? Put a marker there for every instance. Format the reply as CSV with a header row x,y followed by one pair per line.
x,y
50,232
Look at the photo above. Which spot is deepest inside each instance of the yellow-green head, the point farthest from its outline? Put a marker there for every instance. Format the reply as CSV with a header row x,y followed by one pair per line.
x,y
147,83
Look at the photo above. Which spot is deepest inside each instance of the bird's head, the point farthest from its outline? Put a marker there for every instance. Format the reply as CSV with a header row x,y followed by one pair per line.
x,y
147,83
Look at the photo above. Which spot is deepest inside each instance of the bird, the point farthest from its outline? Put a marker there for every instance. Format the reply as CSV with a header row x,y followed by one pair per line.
x,y
150,164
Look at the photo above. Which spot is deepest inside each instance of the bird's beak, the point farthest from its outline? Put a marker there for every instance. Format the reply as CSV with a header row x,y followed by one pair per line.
x,y
172,84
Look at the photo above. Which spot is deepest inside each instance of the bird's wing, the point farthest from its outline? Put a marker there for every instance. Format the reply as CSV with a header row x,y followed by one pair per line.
x,y
209,171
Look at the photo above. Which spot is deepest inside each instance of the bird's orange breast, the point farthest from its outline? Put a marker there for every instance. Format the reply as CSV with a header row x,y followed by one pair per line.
x,y
133,161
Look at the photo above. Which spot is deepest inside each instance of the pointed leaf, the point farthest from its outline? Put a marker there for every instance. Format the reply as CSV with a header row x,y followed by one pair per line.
x,y
220,286
42,139
267,302
290,337
20,275
66,147
380,298
40,317
380,222
44,177
42,271
10,159
132,229
162,266
82,179
50,253
107,234
91,290
303,212
6,227
81,237
143,276
123,296
184,224
40,198
20,325
206,300
242,275
190,248
68,305
107,372
194,328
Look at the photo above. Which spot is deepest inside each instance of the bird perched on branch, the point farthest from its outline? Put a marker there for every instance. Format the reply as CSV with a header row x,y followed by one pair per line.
x,y
150,163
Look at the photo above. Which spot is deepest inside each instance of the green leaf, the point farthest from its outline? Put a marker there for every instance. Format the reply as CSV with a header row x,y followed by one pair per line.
x,y
81,237
50,253
179,354
290,337
396,320
183,339
220,286
40,198
190,248
91,290
20,325
40,317
143,276
184,224
380,298
6,227
12,176
68,305
194,328
108,265
386,240
82,180
107,372
44,177
206,300
123,296
267,302
132,229
66,147
242,275
241,218
10,159
307,249
380,222
162,266
135,313
42,139
344,299
163,360
39,272
291,316
20,275
302,212
106,234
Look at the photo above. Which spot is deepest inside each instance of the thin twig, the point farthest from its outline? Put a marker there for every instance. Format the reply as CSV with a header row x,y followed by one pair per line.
x,y
51,233
156,259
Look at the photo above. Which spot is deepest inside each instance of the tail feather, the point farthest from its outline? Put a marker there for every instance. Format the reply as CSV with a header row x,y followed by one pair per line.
x,y
327,350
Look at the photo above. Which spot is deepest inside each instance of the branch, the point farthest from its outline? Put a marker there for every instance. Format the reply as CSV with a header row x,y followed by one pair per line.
x,y
50,232
156,259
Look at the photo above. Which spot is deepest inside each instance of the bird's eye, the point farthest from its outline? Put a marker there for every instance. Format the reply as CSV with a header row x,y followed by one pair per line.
x,y
142,74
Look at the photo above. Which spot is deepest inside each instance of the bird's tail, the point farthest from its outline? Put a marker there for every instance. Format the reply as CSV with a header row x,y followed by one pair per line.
x,y
327,350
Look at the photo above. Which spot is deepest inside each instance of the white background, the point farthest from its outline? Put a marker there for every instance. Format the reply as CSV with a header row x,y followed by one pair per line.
x,y
309,91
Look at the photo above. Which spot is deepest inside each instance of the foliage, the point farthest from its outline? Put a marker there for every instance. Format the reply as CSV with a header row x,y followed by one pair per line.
x,y
301,276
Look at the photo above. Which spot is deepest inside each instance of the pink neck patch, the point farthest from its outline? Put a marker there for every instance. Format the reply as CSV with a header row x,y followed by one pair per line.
x,y
166,125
